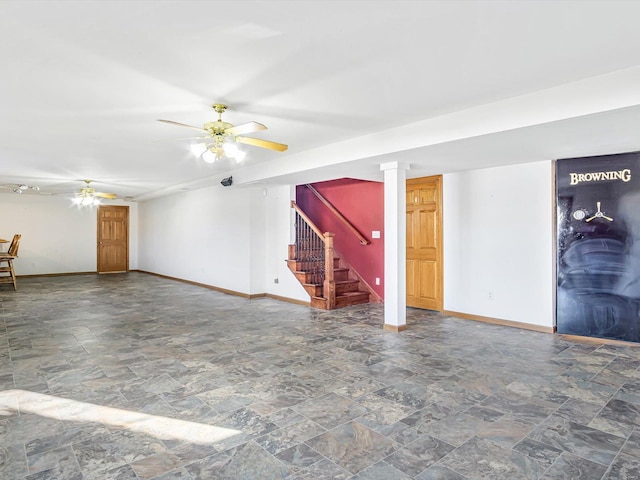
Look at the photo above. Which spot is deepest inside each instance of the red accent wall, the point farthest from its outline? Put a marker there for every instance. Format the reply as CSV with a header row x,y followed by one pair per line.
x,y
362,203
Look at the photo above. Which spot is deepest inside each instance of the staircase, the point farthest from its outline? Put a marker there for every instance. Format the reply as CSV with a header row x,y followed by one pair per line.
x,y
347,289
328,281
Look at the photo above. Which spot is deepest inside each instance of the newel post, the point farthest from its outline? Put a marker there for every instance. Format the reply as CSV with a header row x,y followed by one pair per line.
x,y
329,286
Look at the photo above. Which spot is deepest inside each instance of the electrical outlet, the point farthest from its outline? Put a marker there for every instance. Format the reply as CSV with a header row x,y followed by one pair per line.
x,y
377,281
375,234
275,280
491,295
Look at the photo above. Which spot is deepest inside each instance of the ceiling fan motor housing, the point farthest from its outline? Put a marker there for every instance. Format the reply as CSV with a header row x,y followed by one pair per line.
x,y
217,128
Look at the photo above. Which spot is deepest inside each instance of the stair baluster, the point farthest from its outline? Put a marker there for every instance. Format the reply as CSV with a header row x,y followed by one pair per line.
x,y
313,260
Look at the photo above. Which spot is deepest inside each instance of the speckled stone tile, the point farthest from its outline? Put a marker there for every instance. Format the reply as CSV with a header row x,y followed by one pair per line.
x,y
353,446
571,467
330,410
155,465
629,392
578,439
622,412
179,474
322,470
381,471
419,455
28,427
260,389
484,460
58,462
456,429
299,456
290,436
525,408
246,462
624,467
578,410
438,472
13,461
505,431
544,455
408,393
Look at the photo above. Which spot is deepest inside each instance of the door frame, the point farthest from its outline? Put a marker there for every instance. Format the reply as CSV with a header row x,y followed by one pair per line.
x,y
98,220
439,234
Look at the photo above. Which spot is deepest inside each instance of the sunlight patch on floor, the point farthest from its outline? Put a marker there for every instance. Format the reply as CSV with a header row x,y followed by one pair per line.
x,y
23,401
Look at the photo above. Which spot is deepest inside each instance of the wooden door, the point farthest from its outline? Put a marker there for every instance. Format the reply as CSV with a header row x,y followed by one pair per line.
x,y
113,239
424,243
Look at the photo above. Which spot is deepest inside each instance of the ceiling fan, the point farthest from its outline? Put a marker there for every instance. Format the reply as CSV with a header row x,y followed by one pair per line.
x,y
88,195
220,137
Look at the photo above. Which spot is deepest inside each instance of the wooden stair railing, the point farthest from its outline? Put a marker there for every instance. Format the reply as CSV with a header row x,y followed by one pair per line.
x,y
314,250
313,261
339,215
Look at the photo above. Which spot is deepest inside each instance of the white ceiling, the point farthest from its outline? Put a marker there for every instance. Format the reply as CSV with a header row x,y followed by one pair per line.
x,y
441,85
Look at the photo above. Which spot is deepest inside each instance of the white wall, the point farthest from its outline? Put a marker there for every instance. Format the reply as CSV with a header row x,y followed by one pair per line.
x,y
498,241
200,235
226,237
258,253
278,237
57,237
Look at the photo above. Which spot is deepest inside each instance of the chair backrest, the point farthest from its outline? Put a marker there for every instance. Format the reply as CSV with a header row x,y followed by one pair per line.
x,y
15,244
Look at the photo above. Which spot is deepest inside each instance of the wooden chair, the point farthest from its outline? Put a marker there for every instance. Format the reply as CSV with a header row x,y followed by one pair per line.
x,y
8,258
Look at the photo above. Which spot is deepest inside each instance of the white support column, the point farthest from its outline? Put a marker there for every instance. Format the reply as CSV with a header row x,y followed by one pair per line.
x,y
395,246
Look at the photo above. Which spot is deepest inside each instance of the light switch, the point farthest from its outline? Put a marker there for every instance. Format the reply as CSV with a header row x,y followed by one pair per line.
x,y
375,234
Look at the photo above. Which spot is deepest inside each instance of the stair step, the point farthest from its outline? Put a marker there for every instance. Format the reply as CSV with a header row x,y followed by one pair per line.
x,y
305,277
313,289
319,302
351,298
342,300
340,274
302,265
345,286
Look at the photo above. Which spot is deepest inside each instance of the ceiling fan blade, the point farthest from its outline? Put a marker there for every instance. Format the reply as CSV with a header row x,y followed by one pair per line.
x,y
171,122
245,128
110,196
258,142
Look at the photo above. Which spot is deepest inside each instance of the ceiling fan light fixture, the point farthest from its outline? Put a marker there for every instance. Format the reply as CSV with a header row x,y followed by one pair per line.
x,y
230,148
209,156
19,187
86,201
224,136
88,197
198,149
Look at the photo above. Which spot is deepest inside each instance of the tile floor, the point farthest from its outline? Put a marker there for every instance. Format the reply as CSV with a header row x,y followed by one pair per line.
x,y
137,377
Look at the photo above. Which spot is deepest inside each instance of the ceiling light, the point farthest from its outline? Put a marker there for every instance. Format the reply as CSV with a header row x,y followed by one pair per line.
x,y
19,187
209,156
198,149
86,201
230,149
218,150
